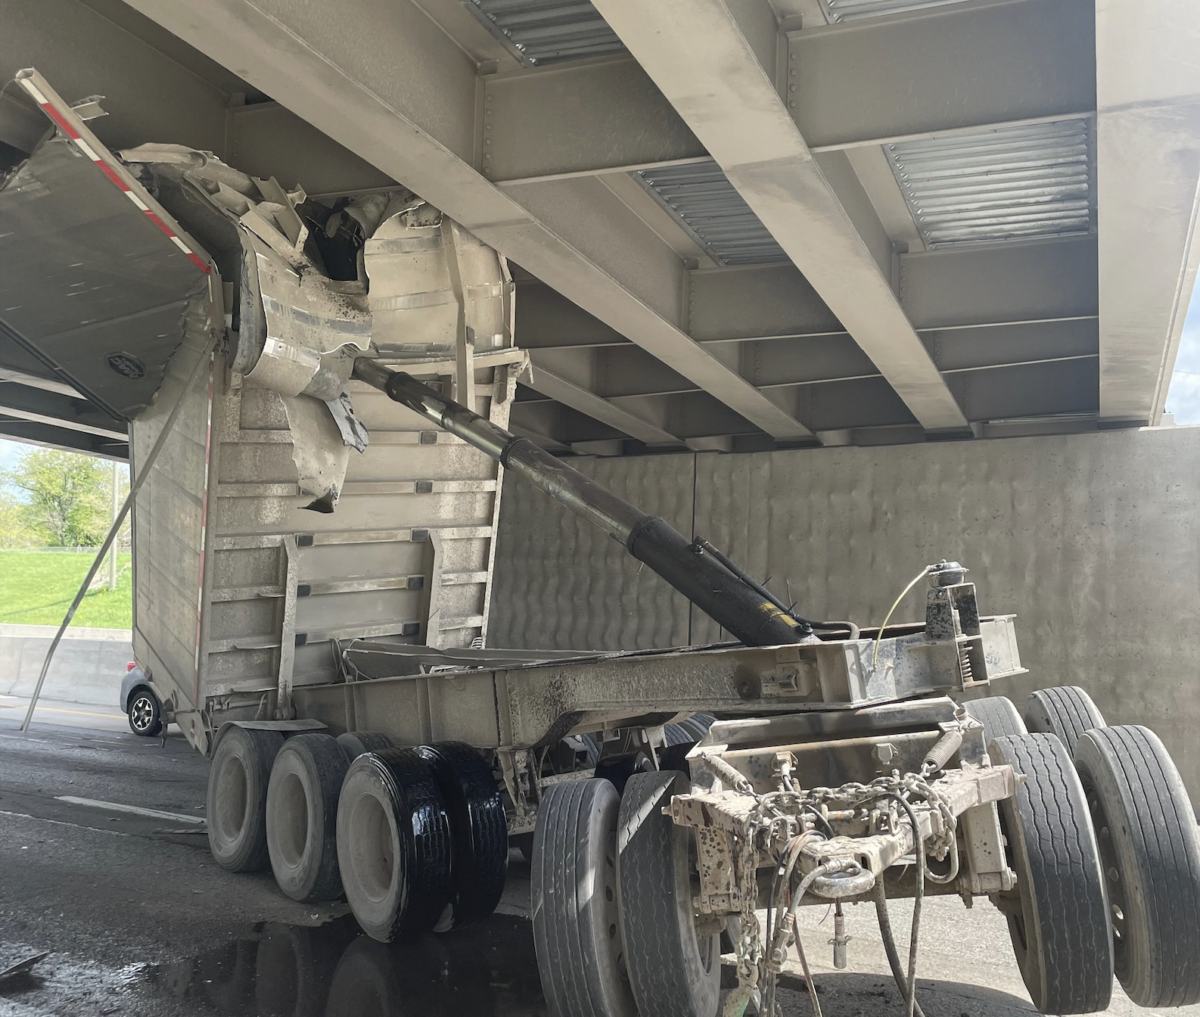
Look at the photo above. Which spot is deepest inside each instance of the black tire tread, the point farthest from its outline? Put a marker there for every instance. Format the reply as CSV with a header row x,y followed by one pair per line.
x,y
661,947
1064,873
677,734
478,828
428,856
699,723
1161,827
433,852
1065,710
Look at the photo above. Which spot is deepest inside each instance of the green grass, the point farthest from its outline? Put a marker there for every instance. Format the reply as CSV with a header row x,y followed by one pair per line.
x,y
37,587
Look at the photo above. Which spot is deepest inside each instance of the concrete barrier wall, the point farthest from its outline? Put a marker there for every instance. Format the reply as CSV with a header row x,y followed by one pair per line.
x,y
1092,540
88,666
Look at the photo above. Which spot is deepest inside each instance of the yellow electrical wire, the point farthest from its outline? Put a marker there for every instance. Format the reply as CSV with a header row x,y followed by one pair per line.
x,y
895,604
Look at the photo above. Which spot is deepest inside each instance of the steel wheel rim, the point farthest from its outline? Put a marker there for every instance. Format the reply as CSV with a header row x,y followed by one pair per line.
x,y
142,713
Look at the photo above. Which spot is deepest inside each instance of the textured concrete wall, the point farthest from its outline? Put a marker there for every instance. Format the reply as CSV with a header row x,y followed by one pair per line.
x,y
87,668
559,582
1092,540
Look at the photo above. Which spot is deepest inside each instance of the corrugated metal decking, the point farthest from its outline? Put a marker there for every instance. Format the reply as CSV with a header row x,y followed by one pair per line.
x,y
546,31
854,10
702,200
1021,182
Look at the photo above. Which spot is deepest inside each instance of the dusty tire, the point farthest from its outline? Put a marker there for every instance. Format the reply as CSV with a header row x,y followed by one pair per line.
x,y
393,844
1150,850
671,969
478,828
1061,935
576,921
355,743
998,716
237,798
302,799
144,713
1066,711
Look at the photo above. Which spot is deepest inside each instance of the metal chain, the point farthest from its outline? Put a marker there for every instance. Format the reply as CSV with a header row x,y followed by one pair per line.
x,y
907,785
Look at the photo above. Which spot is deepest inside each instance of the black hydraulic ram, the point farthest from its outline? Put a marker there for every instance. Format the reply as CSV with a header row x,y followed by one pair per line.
x,y
708,579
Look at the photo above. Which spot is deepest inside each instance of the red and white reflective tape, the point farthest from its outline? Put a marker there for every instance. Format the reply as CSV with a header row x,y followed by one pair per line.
x,y
65,126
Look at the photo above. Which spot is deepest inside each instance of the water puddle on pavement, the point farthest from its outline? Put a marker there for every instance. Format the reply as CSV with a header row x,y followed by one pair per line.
x,y
334,970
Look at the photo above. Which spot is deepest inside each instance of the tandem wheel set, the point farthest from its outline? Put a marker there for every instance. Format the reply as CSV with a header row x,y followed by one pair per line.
x,y
1098,874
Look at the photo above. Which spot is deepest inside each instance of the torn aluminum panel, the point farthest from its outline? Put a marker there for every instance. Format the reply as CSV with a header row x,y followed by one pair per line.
x,y
354,434
318,450
422,268
310,322
426,289
299,330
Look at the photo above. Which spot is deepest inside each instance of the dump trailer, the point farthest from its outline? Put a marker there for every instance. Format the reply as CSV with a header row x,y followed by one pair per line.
x,y
318,467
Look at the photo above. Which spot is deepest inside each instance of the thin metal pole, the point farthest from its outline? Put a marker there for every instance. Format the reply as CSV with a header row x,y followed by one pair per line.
x,y
112,557
134,487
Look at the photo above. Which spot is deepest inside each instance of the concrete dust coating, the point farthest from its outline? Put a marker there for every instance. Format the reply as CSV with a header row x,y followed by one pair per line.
x,y
142,923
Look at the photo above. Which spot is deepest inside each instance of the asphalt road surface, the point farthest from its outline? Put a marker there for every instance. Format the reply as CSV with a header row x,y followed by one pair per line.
x,y
138,921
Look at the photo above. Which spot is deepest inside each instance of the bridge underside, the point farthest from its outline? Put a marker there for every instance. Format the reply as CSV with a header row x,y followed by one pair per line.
x,y
733,226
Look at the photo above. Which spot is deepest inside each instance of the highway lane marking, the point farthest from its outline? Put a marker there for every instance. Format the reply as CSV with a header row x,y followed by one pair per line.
x,y
73,713
137,810
61,822
79,713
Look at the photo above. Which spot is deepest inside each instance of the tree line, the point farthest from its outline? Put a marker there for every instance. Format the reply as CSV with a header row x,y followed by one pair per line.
x,y
57,499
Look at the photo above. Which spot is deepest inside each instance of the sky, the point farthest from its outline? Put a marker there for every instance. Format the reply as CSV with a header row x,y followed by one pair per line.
x,y
9,450
1183,397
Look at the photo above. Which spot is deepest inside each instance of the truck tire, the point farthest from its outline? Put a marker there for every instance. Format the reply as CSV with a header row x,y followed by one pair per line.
x,y
698,724
671,968
1066,711
302,800
1150,850
355,743
998,716
145,713
576,917
237,798
478,828
1061,934
677,734
591,749
393,844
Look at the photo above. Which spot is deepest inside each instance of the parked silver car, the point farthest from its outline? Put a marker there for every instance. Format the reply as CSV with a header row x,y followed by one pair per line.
x,y
140,703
